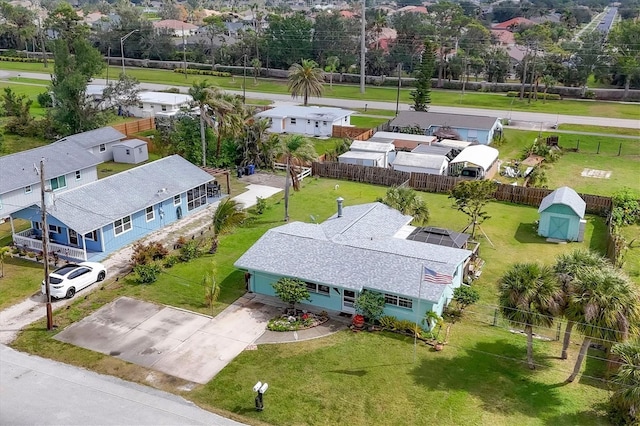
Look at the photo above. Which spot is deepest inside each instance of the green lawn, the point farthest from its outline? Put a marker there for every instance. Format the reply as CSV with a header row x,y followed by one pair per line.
x,y
438,97
367,122
600,129
21,279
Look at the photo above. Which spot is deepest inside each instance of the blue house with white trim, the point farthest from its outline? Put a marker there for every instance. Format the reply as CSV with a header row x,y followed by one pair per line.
x,y
354,250
95,219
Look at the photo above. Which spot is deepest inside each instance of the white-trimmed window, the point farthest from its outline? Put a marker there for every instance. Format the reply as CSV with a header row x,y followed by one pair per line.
x,y
140,150
78,175
293,121
196,197
28,189
103,147
164,107
58,183
37,226
177,200
318,288
149,213
121,226
128,151
91,236
54,229
402,302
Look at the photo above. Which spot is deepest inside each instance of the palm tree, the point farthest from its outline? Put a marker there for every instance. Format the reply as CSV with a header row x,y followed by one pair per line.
x,y
332,65
228,215
529,296
202,92
257,65
221,104
605,306
548,82
305,80
407,201
568,267
3,254
296,149
625,400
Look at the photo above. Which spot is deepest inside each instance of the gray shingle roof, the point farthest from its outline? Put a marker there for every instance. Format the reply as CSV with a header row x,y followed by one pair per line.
x,y
355,251
131,143
566,196
99,203
94,137
428,119
19,170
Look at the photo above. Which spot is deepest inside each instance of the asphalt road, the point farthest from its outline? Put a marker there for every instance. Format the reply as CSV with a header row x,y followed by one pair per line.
x,y
38,391
543,120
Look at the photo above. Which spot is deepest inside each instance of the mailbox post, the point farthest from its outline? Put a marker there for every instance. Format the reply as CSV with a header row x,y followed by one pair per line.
x,y
260,388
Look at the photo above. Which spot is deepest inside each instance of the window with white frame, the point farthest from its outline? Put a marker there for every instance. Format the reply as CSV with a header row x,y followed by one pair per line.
x,y
78,175
91,236
121,226
128,151
54,229
402,302
164,107
318,288
196,197
37,226
58,183
177,200
28,189
140,150
293,121
103,147
149,214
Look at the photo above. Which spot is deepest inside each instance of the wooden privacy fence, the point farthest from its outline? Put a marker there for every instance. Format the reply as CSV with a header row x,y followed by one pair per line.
x,y
133,127
596,204
351,132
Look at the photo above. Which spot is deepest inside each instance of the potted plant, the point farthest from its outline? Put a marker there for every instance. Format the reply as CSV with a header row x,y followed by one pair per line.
x,y
358,321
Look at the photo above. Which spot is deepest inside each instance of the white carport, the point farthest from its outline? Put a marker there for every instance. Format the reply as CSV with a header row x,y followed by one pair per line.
x,y
482,157
432,164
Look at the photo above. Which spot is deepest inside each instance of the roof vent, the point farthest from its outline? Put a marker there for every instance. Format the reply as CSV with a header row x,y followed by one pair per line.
x,y
339,200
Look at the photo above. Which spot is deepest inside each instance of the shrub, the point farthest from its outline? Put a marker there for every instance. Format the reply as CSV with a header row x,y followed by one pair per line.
x,y
169,261
144,254
370,304
541,95
190,250
147,274
626,209
388,322
15,59
203,72
45,100
261,205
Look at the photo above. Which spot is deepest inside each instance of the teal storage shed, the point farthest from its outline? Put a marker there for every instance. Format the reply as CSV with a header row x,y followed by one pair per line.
x,y
562,215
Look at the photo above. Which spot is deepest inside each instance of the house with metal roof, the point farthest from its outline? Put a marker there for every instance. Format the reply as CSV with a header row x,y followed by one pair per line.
x,y
65,167
306,120
98,142
562,215
472,128
93,220
412,162
354,250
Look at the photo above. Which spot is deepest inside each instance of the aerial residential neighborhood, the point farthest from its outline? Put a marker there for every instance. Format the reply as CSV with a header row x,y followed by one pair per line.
x,y
316,213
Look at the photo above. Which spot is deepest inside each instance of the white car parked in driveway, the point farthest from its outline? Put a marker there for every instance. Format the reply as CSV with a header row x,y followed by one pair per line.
x,y
68,279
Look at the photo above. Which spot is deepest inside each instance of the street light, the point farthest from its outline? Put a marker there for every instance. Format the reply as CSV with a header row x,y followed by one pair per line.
x,y
122,39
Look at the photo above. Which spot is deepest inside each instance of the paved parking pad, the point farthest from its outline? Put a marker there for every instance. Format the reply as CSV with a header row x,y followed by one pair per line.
x,y
183,344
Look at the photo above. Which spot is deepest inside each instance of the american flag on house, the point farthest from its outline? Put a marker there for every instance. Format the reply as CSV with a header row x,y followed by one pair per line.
x,y
436,277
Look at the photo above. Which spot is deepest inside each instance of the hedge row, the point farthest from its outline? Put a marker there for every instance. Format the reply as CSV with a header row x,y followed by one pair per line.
x,y
203,72
541,95
15,59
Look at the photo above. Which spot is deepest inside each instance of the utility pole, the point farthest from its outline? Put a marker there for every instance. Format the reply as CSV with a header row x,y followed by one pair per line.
x,y
108,62
45,249
524,73
399,84
122,39
184,54
244,80
362,47
533,74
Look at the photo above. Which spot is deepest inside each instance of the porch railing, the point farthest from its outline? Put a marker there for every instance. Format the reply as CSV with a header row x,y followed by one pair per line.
x,y
21,239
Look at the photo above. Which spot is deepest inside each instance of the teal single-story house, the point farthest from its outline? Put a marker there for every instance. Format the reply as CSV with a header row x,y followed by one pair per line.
x,y
93,220
354,250
562,215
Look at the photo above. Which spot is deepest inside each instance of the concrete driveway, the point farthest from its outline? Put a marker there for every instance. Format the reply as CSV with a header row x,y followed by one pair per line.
x,y
183,344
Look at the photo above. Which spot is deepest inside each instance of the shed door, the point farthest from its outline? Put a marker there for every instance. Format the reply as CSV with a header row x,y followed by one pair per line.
x,y
558,227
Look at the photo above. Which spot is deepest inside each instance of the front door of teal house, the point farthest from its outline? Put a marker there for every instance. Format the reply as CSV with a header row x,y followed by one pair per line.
x,y
348,300
558,228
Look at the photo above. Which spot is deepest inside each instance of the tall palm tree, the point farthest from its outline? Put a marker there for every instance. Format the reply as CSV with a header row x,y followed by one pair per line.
x,y
625,400
605,307
228,214
568,267
202,93
305,80
296,150
529,296
548,82
332,65
222,104
407,201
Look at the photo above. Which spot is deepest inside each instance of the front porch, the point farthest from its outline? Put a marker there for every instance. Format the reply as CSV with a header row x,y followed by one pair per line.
x,y
30,240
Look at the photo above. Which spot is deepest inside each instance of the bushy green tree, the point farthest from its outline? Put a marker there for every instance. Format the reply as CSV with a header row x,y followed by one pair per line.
x,y
291,291
421,96
471,197
370,304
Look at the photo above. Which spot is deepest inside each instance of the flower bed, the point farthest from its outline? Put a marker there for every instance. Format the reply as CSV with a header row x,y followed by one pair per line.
x,y
300,321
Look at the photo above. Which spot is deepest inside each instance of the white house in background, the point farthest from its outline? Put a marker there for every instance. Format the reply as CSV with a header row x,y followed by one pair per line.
x,y
66,166
386,148
160,103
309,121
133,151
433,164
475,162
175,28
363,158
98,142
